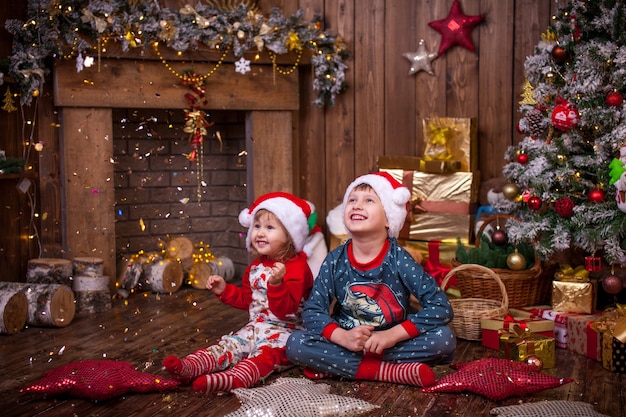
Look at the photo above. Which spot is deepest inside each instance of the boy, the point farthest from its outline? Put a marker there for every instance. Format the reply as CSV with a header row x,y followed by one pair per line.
x,y
370,333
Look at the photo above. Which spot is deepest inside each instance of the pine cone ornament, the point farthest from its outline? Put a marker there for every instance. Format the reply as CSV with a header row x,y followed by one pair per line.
x,y
535,122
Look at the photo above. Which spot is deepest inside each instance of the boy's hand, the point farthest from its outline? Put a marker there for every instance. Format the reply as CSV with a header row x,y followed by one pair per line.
x,y
217,284
353,339
384,339
277,273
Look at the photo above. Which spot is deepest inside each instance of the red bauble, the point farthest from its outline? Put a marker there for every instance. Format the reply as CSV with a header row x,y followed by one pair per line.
x,y
522,158
596,196
534,203
559,54
614,99
456,29
612,284
565,116
499,237
564,207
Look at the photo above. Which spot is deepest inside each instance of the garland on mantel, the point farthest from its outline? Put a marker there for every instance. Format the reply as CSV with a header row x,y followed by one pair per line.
x,y
78,29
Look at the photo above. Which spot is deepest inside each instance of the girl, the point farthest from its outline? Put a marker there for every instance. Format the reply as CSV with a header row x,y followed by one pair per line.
x,y
274,287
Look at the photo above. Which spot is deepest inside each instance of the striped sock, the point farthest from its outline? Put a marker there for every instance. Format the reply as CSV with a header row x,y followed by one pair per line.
x,y
198,363
411,373
313,374
243,375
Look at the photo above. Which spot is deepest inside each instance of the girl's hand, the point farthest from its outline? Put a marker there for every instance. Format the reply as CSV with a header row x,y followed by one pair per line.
x,y
277,273
353,339
216,284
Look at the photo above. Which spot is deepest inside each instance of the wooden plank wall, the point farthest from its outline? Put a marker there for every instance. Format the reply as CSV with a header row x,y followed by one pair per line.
x,y
382,110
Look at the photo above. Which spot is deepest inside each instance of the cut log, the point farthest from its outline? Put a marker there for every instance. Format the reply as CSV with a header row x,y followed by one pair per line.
x,y
201,271
88,267
49,305
180,248
49,271
128,275
162,276
92,294
13,311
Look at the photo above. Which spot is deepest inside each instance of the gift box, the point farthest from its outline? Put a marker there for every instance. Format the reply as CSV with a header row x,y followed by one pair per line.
x,y
436,251
442,206
523,344
451,139
559,318
612,327
573,297
582,338
573,291
492,328
415,163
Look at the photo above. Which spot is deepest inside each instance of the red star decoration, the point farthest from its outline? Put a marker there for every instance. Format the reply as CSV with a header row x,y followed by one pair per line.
x,y
456,28
496,379
97,380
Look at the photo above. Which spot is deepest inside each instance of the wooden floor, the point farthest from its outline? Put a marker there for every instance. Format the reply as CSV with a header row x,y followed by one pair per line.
x,y
145,328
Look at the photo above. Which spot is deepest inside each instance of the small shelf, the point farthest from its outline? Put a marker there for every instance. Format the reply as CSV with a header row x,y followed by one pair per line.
x,y
18,175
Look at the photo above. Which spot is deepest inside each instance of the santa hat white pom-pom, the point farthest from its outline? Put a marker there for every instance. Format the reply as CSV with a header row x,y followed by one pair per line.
x,y
245,218
401,195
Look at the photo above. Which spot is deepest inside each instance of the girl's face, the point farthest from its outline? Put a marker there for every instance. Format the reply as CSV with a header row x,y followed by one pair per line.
x,y
268,236
364,212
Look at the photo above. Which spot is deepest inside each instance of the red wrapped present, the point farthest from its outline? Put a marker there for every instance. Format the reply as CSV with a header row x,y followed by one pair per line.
x,y
492,328
582,338
559,319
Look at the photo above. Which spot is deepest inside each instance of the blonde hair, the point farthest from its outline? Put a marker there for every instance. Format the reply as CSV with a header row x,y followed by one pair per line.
x,y
289,250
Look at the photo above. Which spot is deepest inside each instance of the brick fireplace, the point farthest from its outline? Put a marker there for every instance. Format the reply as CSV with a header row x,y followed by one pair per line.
x,y
87,103
160,193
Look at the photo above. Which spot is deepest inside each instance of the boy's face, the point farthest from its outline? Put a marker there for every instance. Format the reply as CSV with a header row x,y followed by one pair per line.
x,y
364,212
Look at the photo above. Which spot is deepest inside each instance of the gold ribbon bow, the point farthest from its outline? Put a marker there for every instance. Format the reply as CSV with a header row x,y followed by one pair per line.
x,y
613,321
569,274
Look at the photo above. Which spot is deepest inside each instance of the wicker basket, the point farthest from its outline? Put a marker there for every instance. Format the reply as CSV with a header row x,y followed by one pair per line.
x,y
469,311
524,288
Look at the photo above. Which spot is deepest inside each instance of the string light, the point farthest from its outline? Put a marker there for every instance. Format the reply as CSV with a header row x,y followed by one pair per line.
x,y
184,77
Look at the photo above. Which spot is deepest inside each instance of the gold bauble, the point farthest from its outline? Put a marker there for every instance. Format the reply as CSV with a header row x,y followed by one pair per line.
x,y
516,261
510,191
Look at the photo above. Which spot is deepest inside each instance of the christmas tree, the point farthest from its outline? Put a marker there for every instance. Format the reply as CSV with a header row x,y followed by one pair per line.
x,y
566,176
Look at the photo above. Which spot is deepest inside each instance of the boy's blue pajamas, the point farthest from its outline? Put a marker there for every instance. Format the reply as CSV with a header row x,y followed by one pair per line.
x,y
378,296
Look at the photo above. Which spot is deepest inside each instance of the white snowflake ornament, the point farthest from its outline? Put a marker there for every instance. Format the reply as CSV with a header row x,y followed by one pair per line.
x,y
242,66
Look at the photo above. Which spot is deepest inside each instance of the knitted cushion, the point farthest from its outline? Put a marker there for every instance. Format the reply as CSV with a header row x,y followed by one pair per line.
x,y
548,409
296,397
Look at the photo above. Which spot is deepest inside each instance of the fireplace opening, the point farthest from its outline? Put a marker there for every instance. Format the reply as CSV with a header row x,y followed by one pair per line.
x,y
161,194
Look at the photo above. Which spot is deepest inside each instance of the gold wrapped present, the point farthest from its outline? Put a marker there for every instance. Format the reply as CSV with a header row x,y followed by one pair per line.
x,y
414,163
442,206
572,297
445,250
612,327
520,344
451,139
573,291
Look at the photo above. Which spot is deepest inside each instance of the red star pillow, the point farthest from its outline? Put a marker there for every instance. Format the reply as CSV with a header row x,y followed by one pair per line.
x,y
456,29
496,379
98,380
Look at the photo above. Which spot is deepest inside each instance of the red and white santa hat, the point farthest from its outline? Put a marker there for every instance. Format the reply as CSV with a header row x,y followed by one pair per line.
x,y
393,195
298,216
